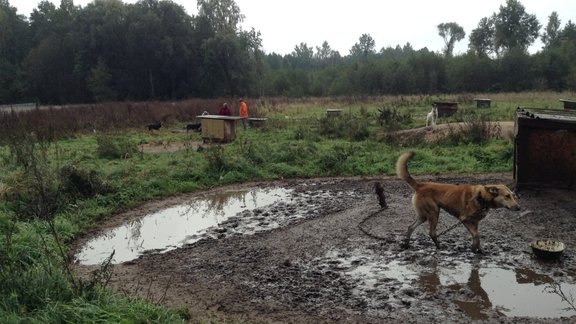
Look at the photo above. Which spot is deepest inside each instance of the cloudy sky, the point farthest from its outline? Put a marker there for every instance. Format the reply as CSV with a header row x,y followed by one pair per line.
x,y
287,23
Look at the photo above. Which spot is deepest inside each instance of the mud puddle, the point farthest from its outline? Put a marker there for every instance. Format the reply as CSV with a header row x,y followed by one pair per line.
x,y
215,215
477,287
329,261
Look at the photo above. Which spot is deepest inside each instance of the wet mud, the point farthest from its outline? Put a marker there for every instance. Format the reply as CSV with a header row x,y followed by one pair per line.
x,y
327,252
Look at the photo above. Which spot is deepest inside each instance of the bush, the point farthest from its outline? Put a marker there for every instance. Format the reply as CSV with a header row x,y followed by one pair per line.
x,y
110,147
392,119
350,127
332,127
81,183
473,128
333,161
215,158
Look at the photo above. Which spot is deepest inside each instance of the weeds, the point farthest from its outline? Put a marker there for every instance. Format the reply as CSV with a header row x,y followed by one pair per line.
x,y
472,128
556,288
392,119
333,161
115,147
215,158
78,183
252,152
302,132
350,127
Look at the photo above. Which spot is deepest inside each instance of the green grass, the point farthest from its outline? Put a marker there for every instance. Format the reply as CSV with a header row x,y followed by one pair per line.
x,y
108,173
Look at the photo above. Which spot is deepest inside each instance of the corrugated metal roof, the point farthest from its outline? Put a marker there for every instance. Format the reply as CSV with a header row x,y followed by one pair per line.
x,y
549,114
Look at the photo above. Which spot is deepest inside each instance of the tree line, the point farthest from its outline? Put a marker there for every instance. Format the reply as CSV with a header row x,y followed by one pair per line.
x,y
153,50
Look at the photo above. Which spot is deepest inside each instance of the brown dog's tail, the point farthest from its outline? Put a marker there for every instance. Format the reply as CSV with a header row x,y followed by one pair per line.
x,y
402,169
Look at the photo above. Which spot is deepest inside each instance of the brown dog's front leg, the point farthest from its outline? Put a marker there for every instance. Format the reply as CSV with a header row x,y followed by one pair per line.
x,y
476,244
435,239
473,229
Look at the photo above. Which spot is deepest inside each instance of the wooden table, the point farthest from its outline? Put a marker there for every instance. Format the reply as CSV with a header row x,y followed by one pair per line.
x,y
218,128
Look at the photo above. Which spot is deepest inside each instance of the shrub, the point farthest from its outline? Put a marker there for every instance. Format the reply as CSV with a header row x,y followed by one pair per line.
x,y
305,132
254,153
473,128
81,183
111,147
351,127
215,157
333,161
332,127
392,119
358,129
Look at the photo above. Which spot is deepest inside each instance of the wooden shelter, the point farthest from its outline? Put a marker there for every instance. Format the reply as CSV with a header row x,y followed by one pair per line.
x,y
446,108
545,147
219,128
568,104
483,103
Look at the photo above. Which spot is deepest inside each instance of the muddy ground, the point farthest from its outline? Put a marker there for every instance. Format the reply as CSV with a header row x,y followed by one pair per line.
x,y
342,261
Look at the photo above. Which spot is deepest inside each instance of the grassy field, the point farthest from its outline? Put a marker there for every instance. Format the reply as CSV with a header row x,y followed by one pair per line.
x,y
66,169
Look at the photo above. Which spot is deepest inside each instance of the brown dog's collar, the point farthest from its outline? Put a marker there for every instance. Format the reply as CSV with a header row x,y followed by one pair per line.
x,y
484,206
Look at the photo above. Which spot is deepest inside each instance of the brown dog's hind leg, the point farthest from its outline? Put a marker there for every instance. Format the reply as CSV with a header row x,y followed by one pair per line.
x,y
430,211
419,220
422,215
433,223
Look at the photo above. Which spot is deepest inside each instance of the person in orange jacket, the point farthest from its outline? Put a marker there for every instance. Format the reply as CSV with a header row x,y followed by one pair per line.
x,y
243,112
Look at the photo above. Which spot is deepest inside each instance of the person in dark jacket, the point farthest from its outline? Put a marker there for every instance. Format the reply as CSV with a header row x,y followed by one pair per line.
x,y
225,110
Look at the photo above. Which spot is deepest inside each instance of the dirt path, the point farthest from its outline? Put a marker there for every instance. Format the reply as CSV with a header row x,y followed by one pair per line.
x,y
503,129
327,268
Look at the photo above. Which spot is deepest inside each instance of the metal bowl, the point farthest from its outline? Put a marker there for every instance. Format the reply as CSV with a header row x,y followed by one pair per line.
x,y
547,249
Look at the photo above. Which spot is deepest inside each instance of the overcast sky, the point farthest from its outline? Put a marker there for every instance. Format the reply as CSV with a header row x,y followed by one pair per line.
x,y
286,23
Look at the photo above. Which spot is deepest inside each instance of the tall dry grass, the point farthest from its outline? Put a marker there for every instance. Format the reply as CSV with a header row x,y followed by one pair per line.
x,y
58,121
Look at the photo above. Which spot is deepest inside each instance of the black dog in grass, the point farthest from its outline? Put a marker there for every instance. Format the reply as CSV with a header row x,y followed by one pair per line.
x,y
155,126
194,127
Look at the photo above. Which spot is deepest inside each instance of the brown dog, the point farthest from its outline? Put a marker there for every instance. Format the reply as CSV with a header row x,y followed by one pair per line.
x,y
469,203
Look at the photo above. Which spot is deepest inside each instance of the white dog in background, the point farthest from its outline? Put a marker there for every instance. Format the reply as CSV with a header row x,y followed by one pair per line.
x,y
432,116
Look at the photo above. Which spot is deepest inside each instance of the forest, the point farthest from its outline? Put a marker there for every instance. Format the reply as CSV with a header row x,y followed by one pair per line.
x,y
110,51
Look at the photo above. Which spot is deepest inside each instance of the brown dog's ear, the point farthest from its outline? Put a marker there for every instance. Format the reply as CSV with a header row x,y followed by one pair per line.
x,y
492,190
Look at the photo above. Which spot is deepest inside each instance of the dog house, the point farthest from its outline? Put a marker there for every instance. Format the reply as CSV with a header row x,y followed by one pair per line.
x,y
545,147
257,122
218,128
568,104
333,112
446,108
483,103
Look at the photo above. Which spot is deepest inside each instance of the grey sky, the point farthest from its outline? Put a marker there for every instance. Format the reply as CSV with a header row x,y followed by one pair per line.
x,y
286,23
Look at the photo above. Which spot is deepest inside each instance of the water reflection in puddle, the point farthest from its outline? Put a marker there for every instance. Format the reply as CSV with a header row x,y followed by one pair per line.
x,y
477,288
174,227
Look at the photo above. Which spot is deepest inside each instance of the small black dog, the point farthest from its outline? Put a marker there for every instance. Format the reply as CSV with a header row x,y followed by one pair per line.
x,y
155,126
194,127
